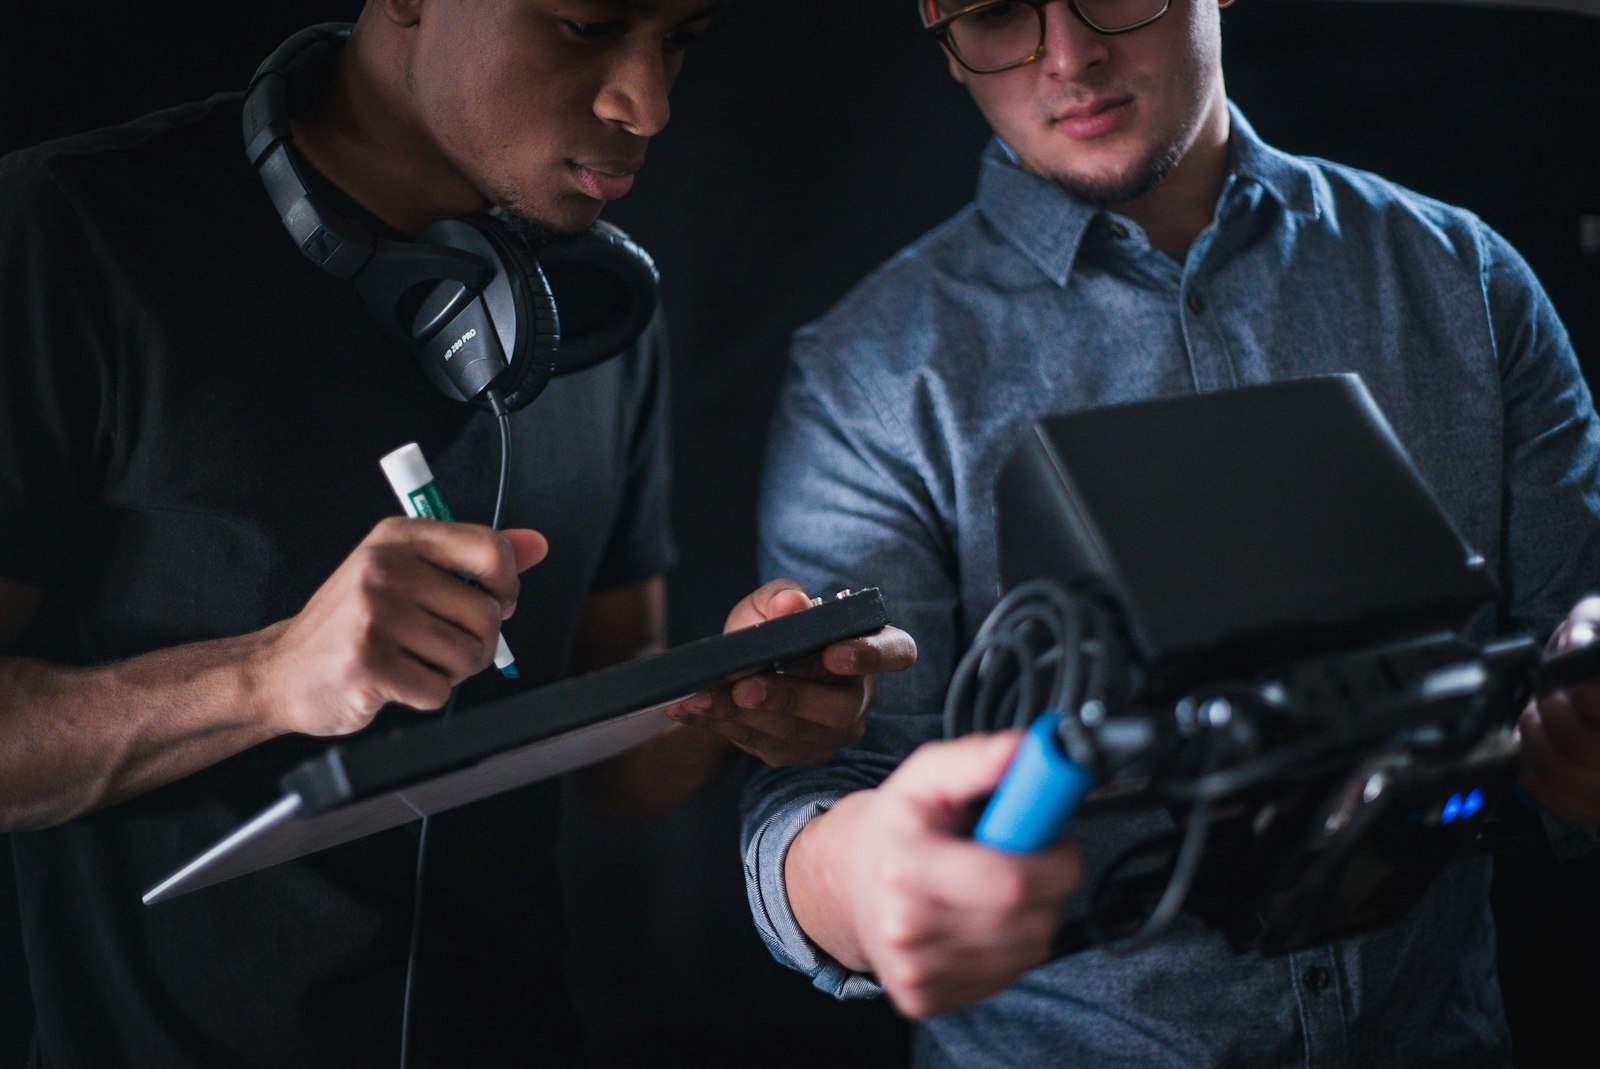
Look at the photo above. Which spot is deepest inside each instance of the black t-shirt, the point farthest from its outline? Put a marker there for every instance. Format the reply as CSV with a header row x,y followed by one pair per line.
x,y
191,417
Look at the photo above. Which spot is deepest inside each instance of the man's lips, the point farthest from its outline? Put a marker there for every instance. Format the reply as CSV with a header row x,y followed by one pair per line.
x,y
605,181
1097,118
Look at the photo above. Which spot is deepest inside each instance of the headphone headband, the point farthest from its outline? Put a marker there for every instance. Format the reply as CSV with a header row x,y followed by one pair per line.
x,y
469,296
338,245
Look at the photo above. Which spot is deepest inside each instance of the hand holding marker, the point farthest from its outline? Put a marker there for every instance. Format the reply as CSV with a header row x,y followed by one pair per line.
x,y
419,495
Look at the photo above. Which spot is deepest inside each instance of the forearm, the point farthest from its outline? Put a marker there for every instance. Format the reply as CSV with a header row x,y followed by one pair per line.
x,y
74,740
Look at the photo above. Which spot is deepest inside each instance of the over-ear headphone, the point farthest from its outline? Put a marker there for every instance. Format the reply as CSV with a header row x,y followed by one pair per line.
x,y
471,297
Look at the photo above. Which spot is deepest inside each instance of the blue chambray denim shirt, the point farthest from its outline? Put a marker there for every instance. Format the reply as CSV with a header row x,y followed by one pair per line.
x,y
904,399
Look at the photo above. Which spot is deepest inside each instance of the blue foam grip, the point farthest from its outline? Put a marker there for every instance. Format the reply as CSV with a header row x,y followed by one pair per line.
x,y
1038,794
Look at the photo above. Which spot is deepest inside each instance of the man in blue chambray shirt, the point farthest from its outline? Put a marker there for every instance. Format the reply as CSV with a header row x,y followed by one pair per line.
x,y
1133,238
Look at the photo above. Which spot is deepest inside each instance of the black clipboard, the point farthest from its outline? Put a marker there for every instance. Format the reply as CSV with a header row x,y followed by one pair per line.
x,y
361,786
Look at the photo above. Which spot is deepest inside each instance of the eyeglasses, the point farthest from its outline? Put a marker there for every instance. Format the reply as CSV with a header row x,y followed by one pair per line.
x,y
996,35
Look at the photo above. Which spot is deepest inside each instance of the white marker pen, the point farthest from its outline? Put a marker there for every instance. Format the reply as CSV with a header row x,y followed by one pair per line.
x,y
419,495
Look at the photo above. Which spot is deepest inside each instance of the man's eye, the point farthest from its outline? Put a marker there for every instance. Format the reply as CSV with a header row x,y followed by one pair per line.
x,y
591,31
682,38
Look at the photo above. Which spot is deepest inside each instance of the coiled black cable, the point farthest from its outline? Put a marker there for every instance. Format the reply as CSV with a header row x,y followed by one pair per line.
x,y
1043,649
1040,649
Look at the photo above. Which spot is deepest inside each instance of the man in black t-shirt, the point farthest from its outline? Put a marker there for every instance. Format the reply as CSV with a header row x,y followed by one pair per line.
x,y
198,580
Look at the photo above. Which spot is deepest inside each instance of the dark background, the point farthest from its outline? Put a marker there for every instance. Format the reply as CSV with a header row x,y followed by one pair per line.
x,y
808,143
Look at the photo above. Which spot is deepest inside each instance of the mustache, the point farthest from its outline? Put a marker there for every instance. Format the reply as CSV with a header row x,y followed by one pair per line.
x,y
1079,94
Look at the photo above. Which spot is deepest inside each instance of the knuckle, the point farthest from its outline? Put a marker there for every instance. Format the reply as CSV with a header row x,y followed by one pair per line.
x,y
390,528
361,703
900,929
1036,931
825,707
1011,888
718,707
377,567
895,876
358,656
781,696
487,623
911,1003
467,654
432,693
489,551
908,974
781,730
913,987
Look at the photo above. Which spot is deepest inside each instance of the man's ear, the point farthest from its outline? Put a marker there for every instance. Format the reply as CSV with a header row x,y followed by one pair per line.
x,y
957,71
400,12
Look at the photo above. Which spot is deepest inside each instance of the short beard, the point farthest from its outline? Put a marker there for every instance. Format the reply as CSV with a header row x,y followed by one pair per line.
x,y
531,230
1111,193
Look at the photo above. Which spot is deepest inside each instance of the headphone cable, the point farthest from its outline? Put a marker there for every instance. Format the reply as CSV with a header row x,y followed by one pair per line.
x,y
503,419
416,927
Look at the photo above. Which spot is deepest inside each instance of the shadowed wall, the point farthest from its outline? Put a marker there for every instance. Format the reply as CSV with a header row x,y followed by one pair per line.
x,y
807,144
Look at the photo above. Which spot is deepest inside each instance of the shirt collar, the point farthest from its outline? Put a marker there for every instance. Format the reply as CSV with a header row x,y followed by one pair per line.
x,y
1047,225
1289,180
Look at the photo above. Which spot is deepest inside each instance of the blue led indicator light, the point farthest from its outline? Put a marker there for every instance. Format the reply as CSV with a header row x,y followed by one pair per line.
x,y
1452,809
1471,803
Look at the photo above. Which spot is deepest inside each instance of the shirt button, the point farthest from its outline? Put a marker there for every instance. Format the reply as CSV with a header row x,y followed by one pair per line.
x,y
1119,231
1196,302
1317,977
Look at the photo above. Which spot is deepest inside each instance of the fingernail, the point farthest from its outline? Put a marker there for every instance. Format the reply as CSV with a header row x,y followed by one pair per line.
x,y
697,703
750,693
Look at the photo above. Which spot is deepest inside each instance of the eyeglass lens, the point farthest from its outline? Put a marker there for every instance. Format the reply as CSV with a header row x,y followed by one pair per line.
x,y
1005,34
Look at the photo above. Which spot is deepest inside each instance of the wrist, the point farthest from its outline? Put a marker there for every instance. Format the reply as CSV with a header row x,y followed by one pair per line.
x,y
259,684
816,873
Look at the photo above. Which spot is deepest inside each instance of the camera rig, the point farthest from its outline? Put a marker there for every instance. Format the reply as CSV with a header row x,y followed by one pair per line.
x,y
1245,609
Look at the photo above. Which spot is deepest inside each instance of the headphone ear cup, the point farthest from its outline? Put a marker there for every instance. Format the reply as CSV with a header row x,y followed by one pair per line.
x,y
607,288
502,333
533,360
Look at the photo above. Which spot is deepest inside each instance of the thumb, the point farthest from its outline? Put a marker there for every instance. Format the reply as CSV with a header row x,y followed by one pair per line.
x,y
953,774
528,546
780,597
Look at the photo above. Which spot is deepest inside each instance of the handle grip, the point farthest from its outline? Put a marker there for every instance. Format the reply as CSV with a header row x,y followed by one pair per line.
x,y
1038,794
1564,669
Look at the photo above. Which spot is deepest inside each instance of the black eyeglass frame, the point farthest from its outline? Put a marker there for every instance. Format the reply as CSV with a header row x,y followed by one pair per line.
x,y
940,27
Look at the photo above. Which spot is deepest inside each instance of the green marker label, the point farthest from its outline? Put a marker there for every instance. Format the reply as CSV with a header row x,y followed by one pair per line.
x,y
427,503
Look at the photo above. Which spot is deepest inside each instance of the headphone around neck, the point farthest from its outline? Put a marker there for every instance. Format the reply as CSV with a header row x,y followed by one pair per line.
x,y
473,299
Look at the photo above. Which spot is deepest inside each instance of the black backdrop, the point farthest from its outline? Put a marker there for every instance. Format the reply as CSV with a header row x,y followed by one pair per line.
x,y
808,142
